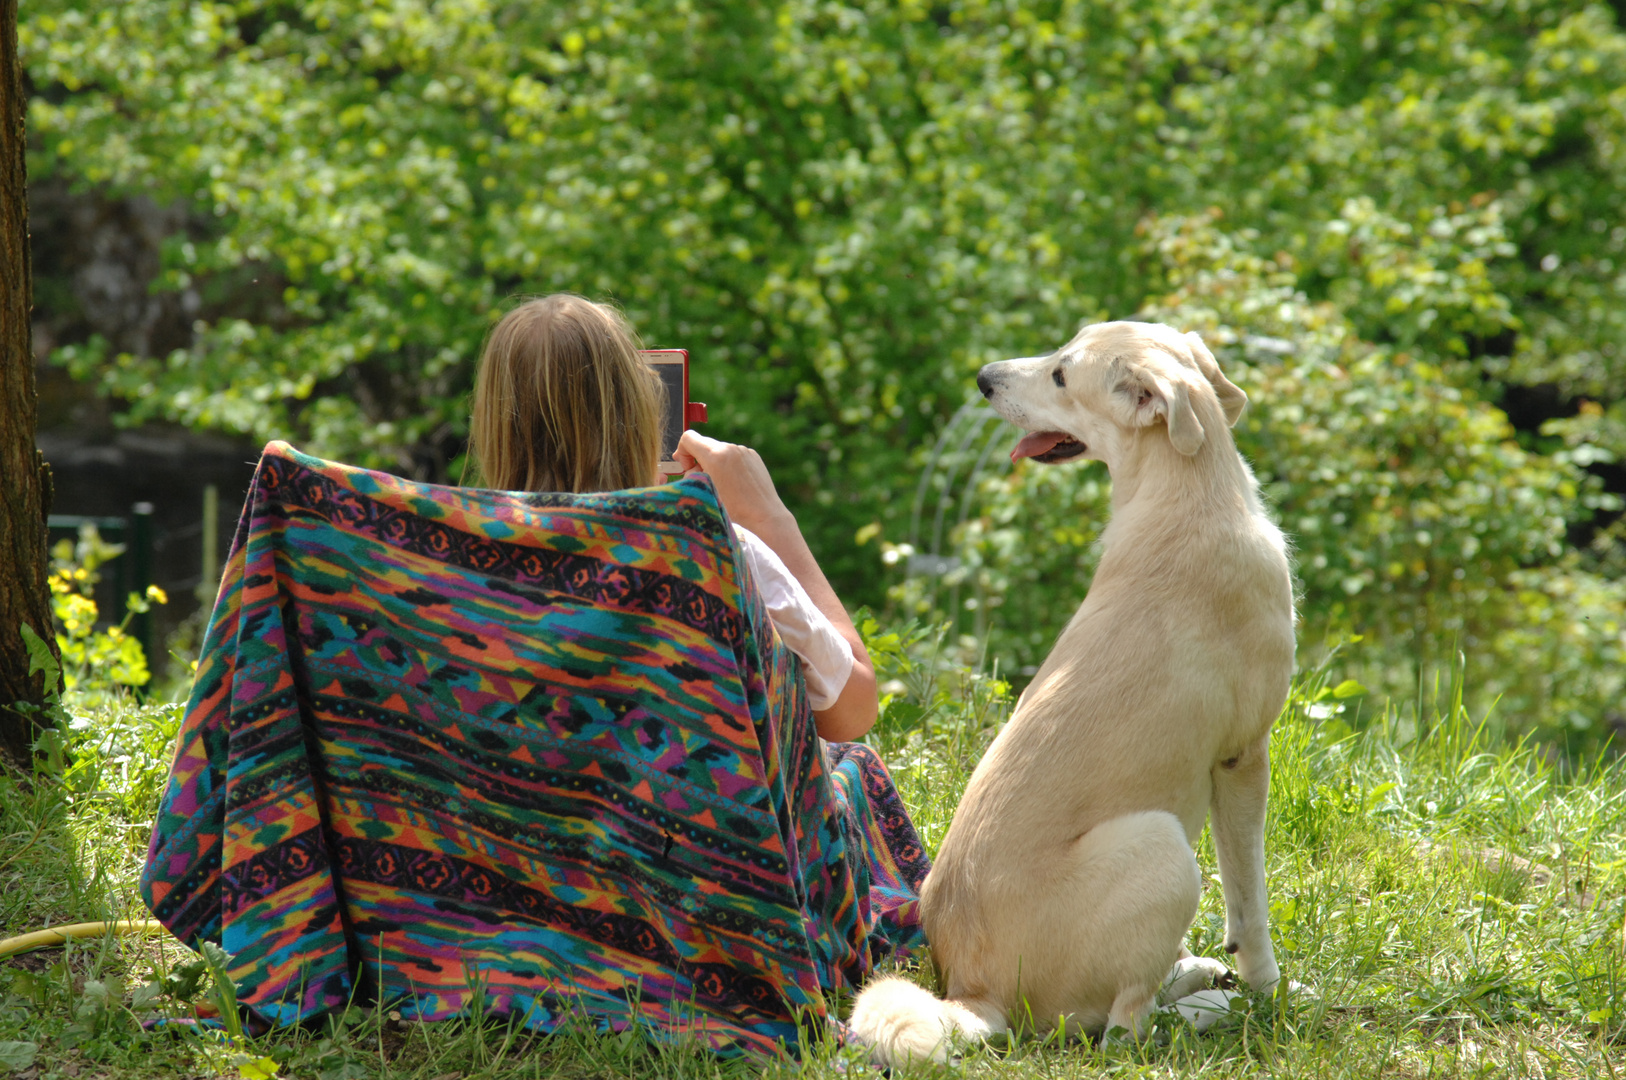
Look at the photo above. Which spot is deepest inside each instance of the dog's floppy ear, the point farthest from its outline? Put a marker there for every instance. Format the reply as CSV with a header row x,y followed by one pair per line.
x,y
1154,397
1231,397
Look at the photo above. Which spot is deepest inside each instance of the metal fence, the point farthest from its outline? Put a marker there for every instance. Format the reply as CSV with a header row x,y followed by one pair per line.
x,y
131,571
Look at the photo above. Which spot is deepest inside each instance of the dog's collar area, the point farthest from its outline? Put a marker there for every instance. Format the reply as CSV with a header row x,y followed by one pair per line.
x,y
1047,447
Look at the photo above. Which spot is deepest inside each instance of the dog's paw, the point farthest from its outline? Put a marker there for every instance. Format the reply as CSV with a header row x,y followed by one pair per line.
x,y
1205,1008
1294,988
1256,975
1191,974
1118,1036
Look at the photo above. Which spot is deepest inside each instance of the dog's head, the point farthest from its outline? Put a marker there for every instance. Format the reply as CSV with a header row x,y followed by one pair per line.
x,y
1091,396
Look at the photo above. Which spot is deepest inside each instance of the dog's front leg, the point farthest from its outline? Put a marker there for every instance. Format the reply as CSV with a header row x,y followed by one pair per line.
x,y
1241,785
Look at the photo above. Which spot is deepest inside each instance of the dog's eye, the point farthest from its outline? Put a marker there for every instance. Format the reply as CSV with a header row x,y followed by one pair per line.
x,y
1058,378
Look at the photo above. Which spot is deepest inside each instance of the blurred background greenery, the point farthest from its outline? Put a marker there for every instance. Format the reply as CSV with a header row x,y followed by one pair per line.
x,y
1398,224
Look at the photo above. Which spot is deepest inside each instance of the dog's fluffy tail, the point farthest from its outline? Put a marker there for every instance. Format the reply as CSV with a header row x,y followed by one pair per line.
x,y
900,1022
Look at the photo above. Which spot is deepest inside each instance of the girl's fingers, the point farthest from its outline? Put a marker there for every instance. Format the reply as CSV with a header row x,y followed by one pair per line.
x,y
738,474
693,449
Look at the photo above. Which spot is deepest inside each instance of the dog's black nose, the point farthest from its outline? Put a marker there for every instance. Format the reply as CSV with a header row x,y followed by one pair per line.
x,y
985,384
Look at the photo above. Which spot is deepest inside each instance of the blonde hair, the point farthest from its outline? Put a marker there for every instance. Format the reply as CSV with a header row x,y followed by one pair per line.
x,y
564,402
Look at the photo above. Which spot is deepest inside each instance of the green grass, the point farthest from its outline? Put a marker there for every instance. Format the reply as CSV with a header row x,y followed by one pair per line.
x,y
1430,951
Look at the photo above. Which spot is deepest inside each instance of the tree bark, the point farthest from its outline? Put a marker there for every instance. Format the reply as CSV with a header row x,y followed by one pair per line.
x,y
25,479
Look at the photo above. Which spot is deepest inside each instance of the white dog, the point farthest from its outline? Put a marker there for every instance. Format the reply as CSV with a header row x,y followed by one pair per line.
x,y
1066,883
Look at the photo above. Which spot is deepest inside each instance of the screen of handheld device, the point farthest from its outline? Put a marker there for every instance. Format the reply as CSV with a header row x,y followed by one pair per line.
x,y
673,367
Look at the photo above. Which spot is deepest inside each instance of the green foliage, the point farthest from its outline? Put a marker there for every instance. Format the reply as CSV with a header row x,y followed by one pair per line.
x,y
1416,515
844,209
17,1055
40,658
95,659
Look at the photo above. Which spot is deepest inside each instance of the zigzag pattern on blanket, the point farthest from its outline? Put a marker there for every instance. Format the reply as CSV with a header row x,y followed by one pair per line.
x,y
544,749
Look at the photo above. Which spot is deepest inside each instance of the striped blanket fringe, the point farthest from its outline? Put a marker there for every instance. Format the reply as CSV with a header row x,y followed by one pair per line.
x,y
474,752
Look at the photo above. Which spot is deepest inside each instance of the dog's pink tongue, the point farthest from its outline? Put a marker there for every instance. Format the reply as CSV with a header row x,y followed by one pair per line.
x,y
1035,443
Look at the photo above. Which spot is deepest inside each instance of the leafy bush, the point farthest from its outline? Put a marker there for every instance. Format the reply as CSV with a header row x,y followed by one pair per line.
x,y
96,659
104,743
845,209
1418,519
842,209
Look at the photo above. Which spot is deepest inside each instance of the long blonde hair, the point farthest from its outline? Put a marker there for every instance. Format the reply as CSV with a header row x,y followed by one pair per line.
x,y
564,402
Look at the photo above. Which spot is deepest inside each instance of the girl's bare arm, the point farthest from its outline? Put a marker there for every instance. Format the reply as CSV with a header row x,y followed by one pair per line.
x,y
747,493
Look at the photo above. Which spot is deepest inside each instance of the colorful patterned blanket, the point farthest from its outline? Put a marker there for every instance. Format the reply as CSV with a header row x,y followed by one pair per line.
x,y
541,750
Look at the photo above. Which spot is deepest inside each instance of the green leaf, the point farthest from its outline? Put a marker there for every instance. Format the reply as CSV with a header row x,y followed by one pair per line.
x,y
347,1070
261,1068
1347,689
41,658
17,1056
77,1034
31,987
146,995
1376,795
183,979
220,961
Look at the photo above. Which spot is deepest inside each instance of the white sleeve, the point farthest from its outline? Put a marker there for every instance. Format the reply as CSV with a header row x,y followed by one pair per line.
x,y
827,658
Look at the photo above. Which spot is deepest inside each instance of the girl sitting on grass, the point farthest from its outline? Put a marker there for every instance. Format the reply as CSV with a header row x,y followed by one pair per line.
x,y
436,805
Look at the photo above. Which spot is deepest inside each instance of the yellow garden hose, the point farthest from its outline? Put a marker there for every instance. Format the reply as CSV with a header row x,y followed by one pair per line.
x,y
56,935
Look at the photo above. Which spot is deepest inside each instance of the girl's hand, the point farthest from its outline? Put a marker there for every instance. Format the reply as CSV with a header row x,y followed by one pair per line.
x,y
746,491
743,485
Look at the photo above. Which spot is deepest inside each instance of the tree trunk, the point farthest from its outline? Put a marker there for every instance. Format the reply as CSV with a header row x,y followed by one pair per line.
x,y
25,479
